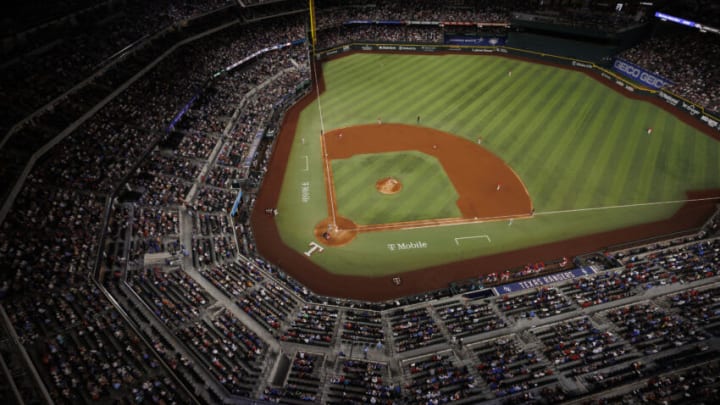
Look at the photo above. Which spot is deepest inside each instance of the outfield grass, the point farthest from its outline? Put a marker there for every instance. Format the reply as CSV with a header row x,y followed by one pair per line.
x,y
575,143
427,192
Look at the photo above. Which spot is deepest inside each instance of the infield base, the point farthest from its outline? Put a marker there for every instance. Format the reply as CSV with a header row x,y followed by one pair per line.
x,y
341,233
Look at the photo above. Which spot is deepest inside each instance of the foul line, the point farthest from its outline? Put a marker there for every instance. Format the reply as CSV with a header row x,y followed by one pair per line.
x,y
307,163
457,240
610,207
328,173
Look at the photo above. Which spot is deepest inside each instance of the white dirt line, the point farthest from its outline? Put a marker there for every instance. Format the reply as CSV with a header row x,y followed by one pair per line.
x,y
609,207
457,240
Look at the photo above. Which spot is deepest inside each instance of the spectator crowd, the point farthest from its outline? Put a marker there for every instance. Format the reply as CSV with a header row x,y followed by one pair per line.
x,y
211,313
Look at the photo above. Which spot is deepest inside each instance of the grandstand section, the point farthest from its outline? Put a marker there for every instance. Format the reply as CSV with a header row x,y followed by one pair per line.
x,y
138,140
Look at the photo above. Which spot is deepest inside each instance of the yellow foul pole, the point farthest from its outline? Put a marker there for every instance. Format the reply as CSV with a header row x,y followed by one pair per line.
x,y
313,37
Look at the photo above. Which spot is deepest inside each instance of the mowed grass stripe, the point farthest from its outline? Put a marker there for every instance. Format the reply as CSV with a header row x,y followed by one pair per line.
x,y
407,104
359,86
679,159
591,179
671,142
500,115
409,209
371,104
471,121
452,101
646,180
360,68
604,193
361,91
396,83
464,101
629,190
526,147
353,201
547,155
711,171
366,171
581,157
608,176
551,190
624,159
641,160
350,181
707,155
491,100
502,91
523,127
394,208
428,195
543,136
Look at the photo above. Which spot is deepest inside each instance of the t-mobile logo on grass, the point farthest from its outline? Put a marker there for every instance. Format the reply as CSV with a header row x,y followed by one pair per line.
x,y
305,190
407,245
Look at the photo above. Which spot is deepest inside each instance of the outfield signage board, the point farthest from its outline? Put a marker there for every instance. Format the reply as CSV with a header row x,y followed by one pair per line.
x,y
710,122
668,98
544,280
691,108
474,41
583,65
640,75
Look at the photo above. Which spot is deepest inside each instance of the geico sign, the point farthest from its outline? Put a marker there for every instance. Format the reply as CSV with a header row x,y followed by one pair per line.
x,y
639,74
652,80
629,69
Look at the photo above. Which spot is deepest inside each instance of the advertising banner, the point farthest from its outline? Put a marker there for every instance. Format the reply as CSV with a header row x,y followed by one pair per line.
x,y
640,75
541,281
474,41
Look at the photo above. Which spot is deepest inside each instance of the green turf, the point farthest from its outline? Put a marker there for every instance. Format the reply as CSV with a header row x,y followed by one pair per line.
x,y
574,142
427,192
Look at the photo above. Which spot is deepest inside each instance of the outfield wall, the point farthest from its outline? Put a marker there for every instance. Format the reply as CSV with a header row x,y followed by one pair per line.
x,y
678,102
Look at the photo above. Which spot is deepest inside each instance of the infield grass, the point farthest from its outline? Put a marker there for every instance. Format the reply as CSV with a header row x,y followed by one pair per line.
x,y
574,142
427,192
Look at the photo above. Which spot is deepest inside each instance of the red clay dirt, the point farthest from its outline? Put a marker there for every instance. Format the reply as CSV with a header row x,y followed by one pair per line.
x,y
336,231
270,245
487,187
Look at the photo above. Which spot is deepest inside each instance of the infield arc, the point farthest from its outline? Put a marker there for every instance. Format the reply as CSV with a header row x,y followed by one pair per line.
x,y
488,188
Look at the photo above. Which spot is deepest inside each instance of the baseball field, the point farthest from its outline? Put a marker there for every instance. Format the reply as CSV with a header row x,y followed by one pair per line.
x,y
440,167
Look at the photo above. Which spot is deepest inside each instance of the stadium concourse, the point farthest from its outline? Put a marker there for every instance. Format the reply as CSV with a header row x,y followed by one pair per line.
x,y
126,280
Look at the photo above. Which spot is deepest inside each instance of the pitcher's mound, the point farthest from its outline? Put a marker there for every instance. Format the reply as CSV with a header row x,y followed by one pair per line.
x,y
388,185
342,233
